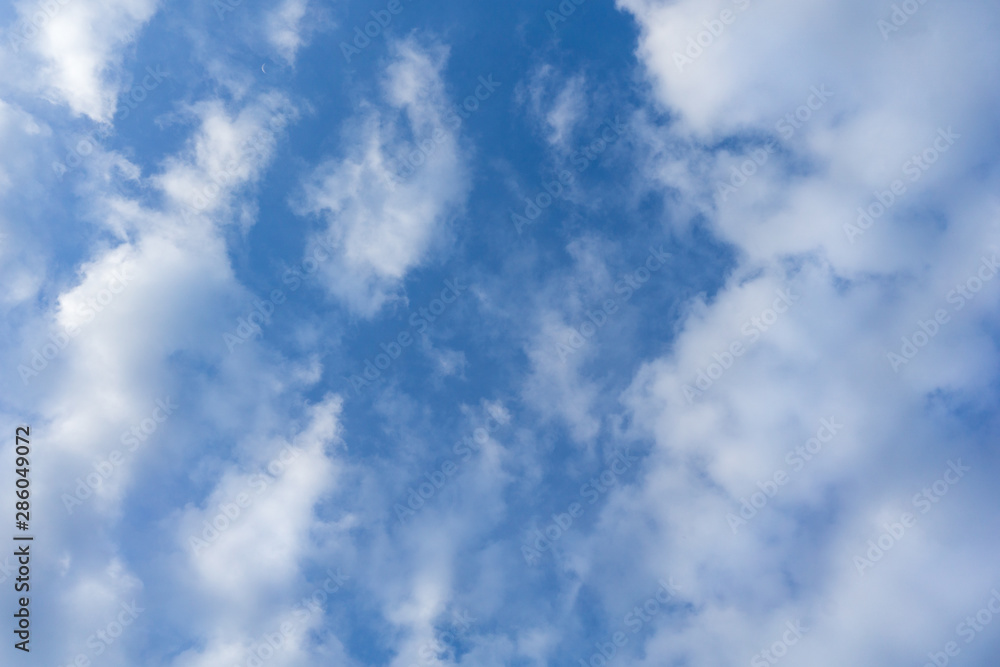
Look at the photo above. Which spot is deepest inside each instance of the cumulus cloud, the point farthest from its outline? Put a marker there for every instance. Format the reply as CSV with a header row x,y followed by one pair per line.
x,y
228,152
101,341
158,287
80,49
389,201
266,511
751,377
284,28
781,417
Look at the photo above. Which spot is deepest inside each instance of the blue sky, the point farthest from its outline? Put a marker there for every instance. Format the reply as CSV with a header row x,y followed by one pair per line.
x,y
643,333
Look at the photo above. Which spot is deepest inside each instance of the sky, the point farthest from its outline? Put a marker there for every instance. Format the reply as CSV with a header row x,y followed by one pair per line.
x,y
411,334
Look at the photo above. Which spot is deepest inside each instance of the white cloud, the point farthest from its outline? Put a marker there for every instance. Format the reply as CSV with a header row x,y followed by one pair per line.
x,y
80,44
566,111
227,153
256,523
20,137
557,103
568,329
284,27
150,291
158,288
557,387
826,356
94,600
390,201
